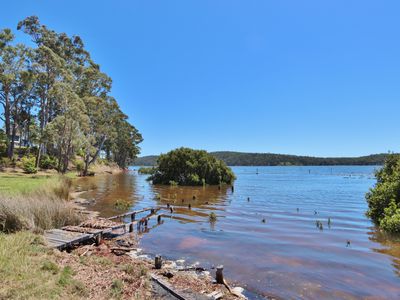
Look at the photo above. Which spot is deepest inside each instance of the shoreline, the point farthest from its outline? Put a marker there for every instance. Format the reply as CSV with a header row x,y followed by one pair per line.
x,y
190,280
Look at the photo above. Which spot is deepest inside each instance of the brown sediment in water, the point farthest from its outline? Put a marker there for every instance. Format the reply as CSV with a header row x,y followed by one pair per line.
x,y
98,268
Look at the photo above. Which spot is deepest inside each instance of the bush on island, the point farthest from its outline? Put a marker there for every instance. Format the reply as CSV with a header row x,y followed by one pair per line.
x,y
384,198
185,166
146,170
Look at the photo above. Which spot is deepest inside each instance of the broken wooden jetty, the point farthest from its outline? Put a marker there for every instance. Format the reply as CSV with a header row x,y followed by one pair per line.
x,y
96,228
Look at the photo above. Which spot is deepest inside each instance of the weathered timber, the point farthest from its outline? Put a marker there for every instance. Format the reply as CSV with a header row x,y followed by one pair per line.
x,y
166,286
130,213
219,275
158,262
62,239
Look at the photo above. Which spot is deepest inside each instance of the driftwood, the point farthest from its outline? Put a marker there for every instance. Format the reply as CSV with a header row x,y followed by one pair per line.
x,y
197,269
166,286
122,249
88,249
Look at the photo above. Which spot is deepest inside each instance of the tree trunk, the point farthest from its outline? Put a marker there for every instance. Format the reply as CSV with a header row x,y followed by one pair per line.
x,y
10,151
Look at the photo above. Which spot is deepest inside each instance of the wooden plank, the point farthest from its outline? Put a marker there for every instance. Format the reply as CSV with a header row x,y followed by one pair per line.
x,y
83,229
166,286
131,213
60,238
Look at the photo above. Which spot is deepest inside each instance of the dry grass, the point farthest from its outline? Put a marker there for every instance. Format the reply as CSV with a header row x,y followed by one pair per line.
x,y
41,208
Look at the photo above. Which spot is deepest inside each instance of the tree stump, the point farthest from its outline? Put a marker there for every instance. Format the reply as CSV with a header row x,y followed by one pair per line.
x,y
158,262
219,275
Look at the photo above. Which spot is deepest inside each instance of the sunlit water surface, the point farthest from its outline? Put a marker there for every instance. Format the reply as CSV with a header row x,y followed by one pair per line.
x,y
287,256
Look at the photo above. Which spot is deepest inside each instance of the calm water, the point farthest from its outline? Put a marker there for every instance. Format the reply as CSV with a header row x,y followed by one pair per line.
x,y
288,256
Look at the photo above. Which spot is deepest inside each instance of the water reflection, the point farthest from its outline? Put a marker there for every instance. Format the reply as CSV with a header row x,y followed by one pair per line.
x,y
389,244
192,204
105,190
287,255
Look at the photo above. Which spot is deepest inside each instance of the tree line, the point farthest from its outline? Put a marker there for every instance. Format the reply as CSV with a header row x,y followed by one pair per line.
x,y
56,98
271,159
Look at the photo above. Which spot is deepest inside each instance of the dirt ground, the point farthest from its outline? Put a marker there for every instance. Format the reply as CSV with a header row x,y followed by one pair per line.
x,y
111,271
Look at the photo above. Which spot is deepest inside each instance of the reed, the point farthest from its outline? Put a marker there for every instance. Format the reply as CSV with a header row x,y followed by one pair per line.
x,y
43,208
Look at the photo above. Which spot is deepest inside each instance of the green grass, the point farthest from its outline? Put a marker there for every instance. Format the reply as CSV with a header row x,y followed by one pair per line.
x,y
28,270
35,203
18,183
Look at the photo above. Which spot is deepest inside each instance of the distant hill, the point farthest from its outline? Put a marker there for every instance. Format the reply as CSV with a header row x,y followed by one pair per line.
x,y
271,159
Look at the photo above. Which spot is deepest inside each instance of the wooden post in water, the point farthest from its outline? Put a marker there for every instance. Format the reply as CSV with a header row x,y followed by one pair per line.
x,y
133,217
159,219
131,227
97,239
219,275
158,262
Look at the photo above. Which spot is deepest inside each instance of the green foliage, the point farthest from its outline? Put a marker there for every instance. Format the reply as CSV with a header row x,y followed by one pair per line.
x,y
79,165
122,204
212,218
391,219
66,276
144,170
48,162
50,266
28,164
384,199
271,159
117,287
5,162
56,97
186,166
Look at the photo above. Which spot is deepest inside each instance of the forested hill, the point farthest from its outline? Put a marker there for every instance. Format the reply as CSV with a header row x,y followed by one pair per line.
x,y
271,159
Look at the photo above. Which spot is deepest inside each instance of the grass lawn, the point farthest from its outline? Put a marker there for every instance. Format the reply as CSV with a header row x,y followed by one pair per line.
x,y
20,183
28,270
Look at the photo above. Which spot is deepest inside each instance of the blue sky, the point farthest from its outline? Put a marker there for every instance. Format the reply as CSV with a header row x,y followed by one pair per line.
x,y
299,77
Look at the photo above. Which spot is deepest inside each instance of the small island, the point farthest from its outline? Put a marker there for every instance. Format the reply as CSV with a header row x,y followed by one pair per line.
x,y
185,166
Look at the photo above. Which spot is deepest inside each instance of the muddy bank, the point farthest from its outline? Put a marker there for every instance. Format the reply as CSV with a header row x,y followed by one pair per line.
x,y
116,269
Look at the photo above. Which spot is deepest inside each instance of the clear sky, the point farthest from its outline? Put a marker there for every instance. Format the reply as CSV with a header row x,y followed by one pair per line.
x,y
299,77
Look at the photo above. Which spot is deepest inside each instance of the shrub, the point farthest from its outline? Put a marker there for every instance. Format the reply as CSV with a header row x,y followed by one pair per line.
x,y
5,162
212,217
28,164
146,170
191,167
122,204
48,162
391,220
117,288
79,165
384,198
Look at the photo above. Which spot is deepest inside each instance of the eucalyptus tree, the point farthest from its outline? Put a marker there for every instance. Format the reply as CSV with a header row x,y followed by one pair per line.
x,y
123,147
66,132
16,86
60,98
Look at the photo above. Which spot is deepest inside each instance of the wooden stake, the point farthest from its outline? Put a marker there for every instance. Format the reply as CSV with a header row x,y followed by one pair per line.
x,y
97,239
219,275
131,227
158,262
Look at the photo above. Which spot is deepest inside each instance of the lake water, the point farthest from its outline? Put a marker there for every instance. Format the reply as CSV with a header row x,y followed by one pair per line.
x,y
288,256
